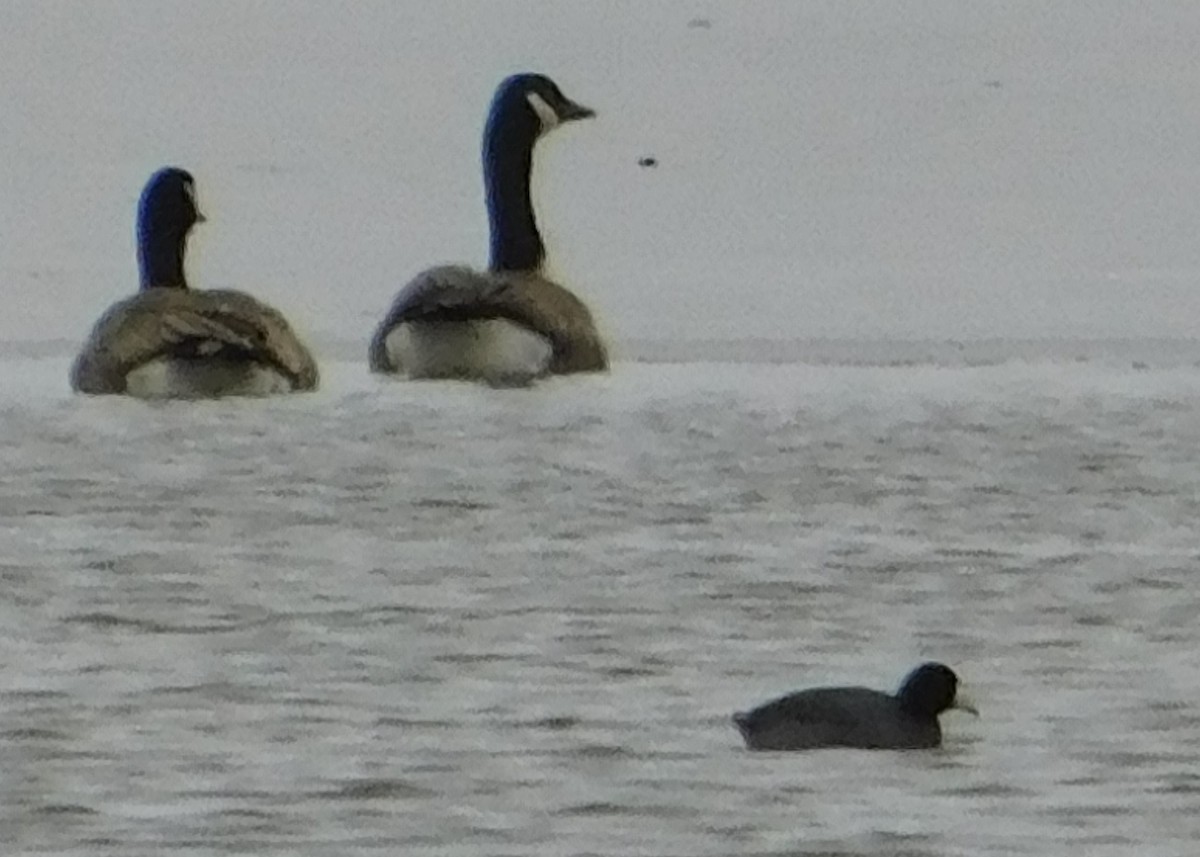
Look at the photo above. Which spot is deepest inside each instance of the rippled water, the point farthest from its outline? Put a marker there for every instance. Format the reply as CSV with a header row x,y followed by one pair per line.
x,y
398,618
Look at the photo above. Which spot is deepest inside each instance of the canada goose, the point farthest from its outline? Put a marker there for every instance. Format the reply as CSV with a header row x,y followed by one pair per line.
x,y
857,716
170,341
510,323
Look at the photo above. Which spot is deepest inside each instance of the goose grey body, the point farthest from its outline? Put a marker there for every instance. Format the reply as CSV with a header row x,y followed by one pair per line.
x,y
181,343
857,716
510,323
454,322
170,341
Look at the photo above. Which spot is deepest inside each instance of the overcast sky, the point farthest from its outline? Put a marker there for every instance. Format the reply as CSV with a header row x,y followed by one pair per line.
x,y
825,169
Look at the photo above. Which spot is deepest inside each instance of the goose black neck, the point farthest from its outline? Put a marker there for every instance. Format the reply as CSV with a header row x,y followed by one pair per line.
x,y
160,258
508,143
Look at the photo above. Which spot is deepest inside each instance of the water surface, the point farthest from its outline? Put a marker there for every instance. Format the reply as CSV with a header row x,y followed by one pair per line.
x,y
441,619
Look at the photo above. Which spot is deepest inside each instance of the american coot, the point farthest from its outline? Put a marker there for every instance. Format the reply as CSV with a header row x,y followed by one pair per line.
x,y
169,340
857,716
511,322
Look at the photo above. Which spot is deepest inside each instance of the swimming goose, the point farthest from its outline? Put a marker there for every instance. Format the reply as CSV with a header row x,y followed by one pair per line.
x,y
857,716
171,341
510,323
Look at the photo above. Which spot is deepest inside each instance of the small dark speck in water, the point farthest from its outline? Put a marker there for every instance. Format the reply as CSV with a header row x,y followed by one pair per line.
x,y
374,789
66,809
557,723
648,161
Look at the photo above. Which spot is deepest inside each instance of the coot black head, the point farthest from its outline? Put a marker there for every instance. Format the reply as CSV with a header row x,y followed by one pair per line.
x,y
931,689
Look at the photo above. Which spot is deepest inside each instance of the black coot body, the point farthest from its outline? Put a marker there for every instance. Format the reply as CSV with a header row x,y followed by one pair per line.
x,y
857,716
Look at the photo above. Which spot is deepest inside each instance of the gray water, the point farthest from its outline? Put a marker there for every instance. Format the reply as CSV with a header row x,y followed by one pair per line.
x,y
440,619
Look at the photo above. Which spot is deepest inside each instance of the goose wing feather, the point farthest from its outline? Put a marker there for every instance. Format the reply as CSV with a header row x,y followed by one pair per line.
x,y
159,322
454,293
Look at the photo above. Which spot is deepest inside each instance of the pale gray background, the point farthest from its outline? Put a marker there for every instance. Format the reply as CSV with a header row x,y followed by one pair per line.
x,y
439,619
876,170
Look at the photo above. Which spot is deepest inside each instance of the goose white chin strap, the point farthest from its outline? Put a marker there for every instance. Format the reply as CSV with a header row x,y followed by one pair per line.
x,y
544,111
